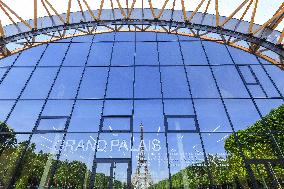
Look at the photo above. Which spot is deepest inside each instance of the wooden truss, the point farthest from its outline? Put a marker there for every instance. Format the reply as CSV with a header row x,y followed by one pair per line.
x,y
126,9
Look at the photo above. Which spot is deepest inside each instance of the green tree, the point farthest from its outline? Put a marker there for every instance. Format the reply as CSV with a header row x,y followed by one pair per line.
x,y
70,174
8,153
256,143
7,137
32,167
230,172
196,175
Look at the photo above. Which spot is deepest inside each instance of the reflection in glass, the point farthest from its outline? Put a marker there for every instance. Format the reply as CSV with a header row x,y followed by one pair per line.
x,y
173,112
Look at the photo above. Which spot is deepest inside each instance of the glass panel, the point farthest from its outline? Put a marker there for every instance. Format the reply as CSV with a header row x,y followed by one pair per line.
x,y
256,91
266,105
115,145
193,53
147,82
2,72
214,147
8,61
145,36
276,171
265,81
86,116
66,83
116,123
83,39
173,80
217,53
10,88
52,123
261,175
40,83
103,175
104,37
146,53
14,145
247,73
241,57
209,157
234,163
251,147
30,57
5,108
94,83
77,54
150,114
54,54
277,76
25,115
155,151
120,84
211,116
123,53
100,54
118,107
166,37
184,38
43,150
229,81
120,175
57,108
172,56
201,82
125,36
182,123
187,164
178,107
236,109
76,160
226,170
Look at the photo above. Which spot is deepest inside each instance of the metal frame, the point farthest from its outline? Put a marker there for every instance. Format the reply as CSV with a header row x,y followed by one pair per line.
x,y
257,36
268,46
167,117
42,131
256,81
117,117
169,26
111,161
162,99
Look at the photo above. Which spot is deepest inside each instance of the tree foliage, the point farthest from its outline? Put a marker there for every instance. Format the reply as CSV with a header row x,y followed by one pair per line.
x,y
8,138
196,175
69,174
255,142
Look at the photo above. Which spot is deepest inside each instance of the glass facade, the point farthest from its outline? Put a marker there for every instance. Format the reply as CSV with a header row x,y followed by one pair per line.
x,y
74,112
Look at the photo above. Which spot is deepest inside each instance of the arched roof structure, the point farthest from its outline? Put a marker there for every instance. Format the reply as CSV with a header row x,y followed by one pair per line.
x,y
262,40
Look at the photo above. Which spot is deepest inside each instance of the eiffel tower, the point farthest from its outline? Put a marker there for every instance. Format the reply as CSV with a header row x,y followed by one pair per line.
x,y
142,178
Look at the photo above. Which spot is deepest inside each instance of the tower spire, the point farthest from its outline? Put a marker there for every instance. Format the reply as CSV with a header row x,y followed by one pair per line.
x,y
142,178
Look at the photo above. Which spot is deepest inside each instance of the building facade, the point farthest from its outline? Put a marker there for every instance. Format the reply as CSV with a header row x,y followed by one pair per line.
x,y
89,110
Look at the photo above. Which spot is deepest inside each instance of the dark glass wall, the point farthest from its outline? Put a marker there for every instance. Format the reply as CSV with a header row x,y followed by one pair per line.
x,y
72,111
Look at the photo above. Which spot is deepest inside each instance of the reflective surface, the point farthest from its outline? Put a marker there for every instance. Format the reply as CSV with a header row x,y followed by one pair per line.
x,y
72,114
